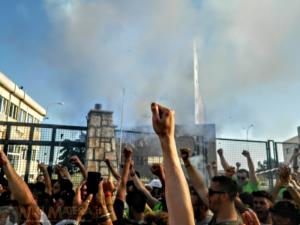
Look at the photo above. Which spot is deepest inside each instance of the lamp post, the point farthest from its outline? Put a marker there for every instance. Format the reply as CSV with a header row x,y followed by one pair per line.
x,y
51,104
247,130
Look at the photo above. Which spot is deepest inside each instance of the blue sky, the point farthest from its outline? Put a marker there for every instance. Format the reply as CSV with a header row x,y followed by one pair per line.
x,y
85,52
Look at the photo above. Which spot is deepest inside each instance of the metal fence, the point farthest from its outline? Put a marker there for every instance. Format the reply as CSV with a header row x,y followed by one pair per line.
x,y
267,156
27,144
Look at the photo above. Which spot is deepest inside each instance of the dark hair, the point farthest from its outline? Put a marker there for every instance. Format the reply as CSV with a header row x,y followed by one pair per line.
x,y
286,195
263,194
243,171
287,209
136,200
227,185
247,199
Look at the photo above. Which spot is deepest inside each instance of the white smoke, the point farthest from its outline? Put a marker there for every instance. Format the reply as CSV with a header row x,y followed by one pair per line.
x,y
248,47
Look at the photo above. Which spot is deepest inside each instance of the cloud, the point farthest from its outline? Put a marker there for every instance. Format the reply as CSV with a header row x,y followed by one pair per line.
x,y
101,47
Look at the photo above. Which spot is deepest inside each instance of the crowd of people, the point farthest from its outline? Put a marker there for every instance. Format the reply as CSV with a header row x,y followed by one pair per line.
x,y
231,197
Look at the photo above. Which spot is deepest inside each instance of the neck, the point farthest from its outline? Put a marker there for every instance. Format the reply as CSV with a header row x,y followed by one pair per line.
x,y
227,213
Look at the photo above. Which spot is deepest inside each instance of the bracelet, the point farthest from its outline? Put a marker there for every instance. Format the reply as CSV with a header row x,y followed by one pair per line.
x,y
103,218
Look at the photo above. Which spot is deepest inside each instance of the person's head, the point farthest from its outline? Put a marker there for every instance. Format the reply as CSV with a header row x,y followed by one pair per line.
x,y
285,213
55,187
136,201
40,178
156,187
222,192
242,176
262,201
247,199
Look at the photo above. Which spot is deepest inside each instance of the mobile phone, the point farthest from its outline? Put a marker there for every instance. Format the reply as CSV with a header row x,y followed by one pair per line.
x,y
92,182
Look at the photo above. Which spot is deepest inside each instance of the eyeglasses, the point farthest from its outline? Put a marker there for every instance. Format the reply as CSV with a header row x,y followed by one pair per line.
x,y
212,192
241,178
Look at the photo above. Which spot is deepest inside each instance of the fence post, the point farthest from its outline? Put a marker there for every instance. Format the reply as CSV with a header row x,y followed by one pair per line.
x,y
275,151
29,153
7,135
269,164
51,158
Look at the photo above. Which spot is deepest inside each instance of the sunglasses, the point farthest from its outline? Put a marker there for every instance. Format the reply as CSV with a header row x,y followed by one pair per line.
x,y
212,192
241,178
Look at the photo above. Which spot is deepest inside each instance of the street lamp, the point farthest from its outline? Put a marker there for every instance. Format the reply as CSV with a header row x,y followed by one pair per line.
x,y
247,130
51,104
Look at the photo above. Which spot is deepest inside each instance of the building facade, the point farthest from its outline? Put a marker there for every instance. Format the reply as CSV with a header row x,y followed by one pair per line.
x,y
17,106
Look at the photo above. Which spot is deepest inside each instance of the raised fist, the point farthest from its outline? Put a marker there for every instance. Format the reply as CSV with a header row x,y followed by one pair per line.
x,y
157,169
127,152
163,120
185,153
246,153
75,160
220,151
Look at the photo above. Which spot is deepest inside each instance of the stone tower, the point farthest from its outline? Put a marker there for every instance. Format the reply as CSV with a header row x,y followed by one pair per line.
x,y
100,140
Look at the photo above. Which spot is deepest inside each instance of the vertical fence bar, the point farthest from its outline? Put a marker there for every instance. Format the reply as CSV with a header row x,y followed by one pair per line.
x,y
29,153
52,147
269,164
7,137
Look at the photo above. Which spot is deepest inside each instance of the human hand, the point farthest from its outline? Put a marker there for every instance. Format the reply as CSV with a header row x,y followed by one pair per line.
x,y
229,172
284,174
100,200
163,120
77,201
250,218
3,158
42,166
74,159
246,153
157,169
83,208
214,165
108,186
220,152
127,152
185,153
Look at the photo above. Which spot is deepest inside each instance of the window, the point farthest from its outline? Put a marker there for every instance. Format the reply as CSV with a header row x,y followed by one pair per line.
x,y
22,116
13,111
29,118
3,105
154,159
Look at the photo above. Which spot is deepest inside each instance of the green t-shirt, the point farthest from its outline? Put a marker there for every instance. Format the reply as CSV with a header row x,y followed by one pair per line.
x,y
250,187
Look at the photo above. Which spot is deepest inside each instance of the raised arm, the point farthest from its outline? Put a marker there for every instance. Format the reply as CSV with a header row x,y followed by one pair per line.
x,y
178,199
195,176
151,201
77,162
20,190
224,163
252,175
121,192
112,170
48,184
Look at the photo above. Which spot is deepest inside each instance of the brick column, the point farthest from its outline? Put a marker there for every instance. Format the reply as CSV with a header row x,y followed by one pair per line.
x,y
100,140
